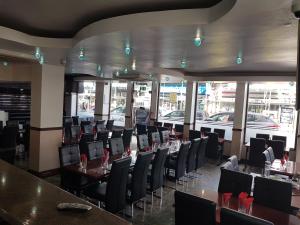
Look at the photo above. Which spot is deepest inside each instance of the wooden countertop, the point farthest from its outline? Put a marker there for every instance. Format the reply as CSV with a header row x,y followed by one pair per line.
x,y
27,199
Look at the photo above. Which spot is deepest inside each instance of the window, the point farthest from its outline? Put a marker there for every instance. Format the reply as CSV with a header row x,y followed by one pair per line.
x,y
215,106
118,102
271,110
86,100
172,102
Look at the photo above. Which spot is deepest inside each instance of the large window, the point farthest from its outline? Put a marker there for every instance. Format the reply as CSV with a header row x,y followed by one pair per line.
x,y
172,102
215,106
86,100
271,110
118,102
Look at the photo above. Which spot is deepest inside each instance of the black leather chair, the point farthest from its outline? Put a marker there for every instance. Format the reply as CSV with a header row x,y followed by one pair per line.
x,y
257,146
193,210
150,130
168,125
179,128
85,138
83,123
273,193
232,217
1,125
280,138
8,144
12,123
95,150
100,125
142,141
155,137
220,132
116,146
141,129
264,136
127,135
164,136
138,181
278,147
178,162
75,120
156,177
213,149
205,130
271,153
193,134
157,124
234,182
88,129
200,156
191,157
67,121
70,155
116,133
112,192
103,136
67,135
75,134
109,125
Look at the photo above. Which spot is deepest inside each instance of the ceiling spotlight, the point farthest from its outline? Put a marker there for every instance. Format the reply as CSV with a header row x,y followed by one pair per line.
x,y
81,54
101,74
98,69
127,49
125,70
239,60
133,66
5,63
37,53
183,64
41,60
117,73
150,75
198,39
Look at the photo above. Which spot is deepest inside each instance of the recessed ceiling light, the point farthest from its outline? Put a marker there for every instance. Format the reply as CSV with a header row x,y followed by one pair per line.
x,y
239,60
198,39
117,73
127,49
98,68
183,64
5,63
133,66
81,54
37,53
125,70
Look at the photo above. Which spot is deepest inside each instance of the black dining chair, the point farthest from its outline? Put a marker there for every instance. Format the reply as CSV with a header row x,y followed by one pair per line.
x,y
88,129
95,150
116,146
193,210
127,135
257,146
75,120
109,125
103,136
220,132
150,130
8,144
273,193
83,140
67,135
191,157
280,138
213,149
75,134
178,162
156,177
83,123
232,217
117,133
157,124
264,136
70,155
193,134
234,182
141,129
113,192
12,123
200,157
168,125
155,138
67,121
271,153
164,136
179,128
137,184
143,143
235,163
100,125
278,147
205,130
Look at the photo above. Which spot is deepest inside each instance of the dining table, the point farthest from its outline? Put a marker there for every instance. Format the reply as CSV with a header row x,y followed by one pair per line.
x,y
257,210
289,168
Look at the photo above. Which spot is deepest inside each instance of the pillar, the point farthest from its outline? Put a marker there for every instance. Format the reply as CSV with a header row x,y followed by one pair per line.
x,y
190,104
129,103
102,101
154,102
47,93
238,130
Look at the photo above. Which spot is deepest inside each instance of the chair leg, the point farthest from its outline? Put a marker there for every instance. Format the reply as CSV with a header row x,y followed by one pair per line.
x,y
99,204
131,210
161,195
144,206
176,184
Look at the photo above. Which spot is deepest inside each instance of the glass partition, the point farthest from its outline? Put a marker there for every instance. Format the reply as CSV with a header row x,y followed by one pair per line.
x,y
118,102
271,110
215,106
86,100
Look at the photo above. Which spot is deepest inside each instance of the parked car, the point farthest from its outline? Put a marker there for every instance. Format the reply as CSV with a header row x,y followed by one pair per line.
x,y
118,115
178,116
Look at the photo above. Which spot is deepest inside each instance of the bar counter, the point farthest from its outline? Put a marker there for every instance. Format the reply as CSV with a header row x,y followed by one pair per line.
x,y
26,199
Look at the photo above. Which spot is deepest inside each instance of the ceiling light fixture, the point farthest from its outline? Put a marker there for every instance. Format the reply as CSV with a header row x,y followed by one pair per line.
x,y
239,59
133,66
117,73
98,68
5,63
198,39
37,53
127,49
183,64
41,60
125,70
81,54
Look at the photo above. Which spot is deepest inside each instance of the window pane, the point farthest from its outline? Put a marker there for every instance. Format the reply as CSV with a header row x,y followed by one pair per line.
x,y
271,110
215,106
172,102
86,100
118,102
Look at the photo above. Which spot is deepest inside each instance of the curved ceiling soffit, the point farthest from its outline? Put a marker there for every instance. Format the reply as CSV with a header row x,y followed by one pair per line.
x,y
154,19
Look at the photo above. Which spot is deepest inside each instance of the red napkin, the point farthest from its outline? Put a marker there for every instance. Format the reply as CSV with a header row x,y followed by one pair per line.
x,y
83,157
248,202
128,151
226,197
282,161
242,196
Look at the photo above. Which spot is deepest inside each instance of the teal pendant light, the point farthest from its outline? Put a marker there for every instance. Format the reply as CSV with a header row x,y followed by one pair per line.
x,y
82,54
37,53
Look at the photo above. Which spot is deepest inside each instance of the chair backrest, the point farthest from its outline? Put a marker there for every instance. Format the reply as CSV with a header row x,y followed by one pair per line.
x,y
273,193
75,132
234,182
8,138
100,126
139,176
205,130
103,136
271,153
181,160
157,124
95,150
67,134
191,158
88,129
157,171
193,210
235,163
87,138
278,147
116,146
83,123
264,136
164,136
193,134
179,128
1,125
212,145
220,132
143,142
127,135
155,138
151,129
67,121
280,138
200,157
115,197
230,217
141,129
266,157
168,125
109,124
12,123
69,155
75,120
117,133
257,146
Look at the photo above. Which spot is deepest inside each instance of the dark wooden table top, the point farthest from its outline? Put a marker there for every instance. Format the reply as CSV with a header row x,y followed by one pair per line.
x,y
26,199
275,216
